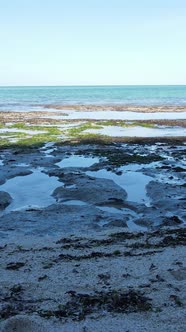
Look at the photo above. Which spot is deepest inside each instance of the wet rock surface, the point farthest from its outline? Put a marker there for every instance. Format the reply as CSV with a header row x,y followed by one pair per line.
x,y
5,200
94,259
83,201
90,190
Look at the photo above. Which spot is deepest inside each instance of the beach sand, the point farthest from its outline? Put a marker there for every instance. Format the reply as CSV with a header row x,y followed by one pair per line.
x,y
121,280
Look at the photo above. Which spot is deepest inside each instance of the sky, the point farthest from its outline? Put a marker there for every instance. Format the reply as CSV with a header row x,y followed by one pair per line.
x,y
92,42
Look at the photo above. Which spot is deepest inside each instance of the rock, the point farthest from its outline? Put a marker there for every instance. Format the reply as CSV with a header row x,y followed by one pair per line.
x,y
147,222
179,169
172,221
5,200
14,266
90,190
116,223
21,323
179,274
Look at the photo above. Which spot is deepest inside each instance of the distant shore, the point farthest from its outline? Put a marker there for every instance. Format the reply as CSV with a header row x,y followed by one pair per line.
x,y
117,107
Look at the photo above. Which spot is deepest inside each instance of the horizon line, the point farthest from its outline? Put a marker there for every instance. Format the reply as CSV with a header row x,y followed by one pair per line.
x,y
88,85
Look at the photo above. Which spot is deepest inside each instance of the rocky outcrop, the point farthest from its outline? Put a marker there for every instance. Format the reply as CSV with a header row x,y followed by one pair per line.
x,y
90,190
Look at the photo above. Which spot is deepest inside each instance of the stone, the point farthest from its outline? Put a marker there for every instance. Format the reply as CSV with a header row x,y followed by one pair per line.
x,y
116,223
5,200
172,221
90,190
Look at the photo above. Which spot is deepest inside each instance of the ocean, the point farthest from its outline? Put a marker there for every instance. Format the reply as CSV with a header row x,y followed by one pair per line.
x,y
35,98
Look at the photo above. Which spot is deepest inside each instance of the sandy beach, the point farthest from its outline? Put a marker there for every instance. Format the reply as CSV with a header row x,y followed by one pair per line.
x,y
127,281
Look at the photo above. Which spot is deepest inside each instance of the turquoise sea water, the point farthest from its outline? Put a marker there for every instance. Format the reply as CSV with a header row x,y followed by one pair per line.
x,y
30,98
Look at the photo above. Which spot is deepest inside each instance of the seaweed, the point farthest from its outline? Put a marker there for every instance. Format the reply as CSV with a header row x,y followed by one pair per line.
x,y
116,301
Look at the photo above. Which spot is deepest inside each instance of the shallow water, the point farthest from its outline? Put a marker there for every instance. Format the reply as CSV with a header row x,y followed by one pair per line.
x,y
33,190
134,227
77,161
74,202
22,165
117,131
47,149
133,182
117,115
34,98
15,130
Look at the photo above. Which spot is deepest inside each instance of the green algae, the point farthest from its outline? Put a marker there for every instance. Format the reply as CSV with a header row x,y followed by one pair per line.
x,y
76,131
126,124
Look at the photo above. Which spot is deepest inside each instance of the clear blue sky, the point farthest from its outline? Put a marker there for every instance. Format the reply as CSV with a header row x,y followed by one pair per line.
x,y
84,42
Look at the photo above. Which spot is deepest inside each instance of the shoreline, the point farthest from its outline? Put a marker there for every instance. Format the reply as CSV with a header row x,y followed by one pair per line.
x,y
89,271
96,107
45,117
